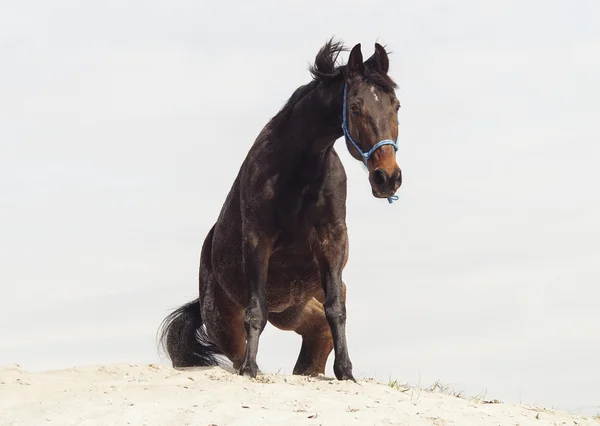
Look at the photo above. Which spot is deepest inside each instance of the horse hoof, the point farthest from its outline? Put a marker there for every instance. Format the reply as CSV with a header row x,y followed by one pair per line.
x,y
250,371
348,376
343,371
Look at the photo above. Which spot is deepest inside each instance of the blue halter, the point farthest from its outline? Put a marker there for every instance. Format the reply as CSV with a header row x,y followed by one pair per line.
x,y
365,155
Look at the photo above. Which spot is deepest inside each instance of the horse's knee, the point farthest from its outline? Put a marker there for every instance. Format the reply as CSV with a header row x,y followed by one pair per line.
x,y
336,312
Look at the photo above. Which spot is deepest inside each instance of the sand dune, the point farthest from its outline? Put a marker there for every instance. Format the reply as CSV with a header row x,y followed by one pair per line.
x,y
159,395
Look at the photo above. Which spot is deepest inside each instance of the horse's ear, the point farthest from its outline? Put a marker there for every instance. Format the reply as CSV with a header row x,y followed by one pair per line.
x,y
379,60
355,61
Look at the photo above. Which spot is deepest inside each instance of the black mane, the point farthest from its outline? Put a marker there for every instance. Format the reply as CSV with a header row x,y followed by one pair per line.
x,y
325,67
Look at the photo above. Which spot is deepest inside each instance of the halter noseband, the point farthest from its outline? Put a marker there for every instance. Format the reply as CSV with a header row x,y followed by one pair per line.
x,y
368,154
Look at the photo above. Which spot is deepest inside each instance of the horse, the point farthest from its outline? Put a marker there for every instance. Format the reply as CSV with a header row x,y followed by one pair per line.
x,y
280,243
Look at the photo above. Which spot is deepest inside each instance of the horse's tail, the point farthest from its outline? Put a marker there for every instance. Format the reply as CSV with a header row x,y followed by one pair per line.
x,y
185,341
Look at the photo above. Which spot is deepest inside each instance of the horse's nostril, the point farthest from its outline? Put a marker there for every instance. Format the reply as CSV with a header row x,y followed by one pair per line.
x,y
380,177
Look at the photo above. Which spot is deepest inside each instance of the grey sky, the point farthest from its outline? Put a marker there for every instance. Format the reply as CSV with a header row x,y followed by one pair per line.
x,y
123,127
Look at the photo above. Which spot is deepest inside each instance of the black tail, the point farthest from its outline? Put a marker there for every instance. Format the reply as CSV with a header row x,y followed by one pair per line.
x,y
184,339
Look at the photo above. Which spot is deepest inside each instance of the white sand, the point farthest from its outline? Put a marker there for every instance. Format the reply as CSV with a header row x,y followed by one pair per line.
x,y
158,395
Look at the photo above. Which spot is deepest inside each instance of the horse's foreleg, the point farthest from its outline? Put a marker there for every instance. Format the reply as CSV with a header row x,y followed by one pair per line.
x,y
256,253
332,256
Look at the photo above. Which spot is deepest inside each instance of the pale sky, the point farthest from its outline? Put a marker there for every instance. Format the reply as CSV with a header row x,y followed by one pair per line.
x,y
124,124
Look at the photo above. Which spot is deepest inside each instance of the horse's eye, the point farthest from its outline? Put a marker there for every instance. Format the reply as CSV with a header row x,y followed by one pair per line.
x,y
354,110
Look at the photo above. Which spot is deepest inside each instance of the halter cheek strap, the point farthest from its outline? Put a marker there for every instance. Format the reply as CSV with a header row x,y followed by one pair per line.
x,y
368,154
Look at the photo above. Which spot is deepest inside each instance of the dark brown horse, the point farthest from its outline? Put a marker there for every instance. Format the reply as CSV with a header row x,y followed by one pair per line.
x,y
280,244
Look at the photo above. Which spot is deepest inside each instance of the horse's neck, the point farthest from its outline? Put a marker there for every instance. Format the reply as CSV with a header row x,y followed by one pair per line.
x,y
318,119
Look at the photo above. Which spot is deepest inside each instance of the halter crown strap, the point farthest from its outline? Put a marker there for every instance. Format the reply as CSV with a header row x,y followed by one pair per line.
x,y
368,154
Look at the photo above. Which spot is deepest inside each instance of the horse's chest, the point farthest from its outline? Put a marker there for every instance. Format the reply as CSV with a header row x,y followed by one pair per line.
x,y
297,222
301,209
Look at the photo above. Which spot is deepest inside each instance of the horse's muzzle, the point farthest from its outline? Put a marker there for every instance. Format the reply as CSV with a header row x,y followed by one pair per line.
x,y
384,184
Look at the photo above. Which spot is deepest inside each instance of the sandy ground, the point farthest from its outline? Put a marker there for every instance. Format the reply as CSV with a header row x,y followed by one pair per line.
x,y
159,395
